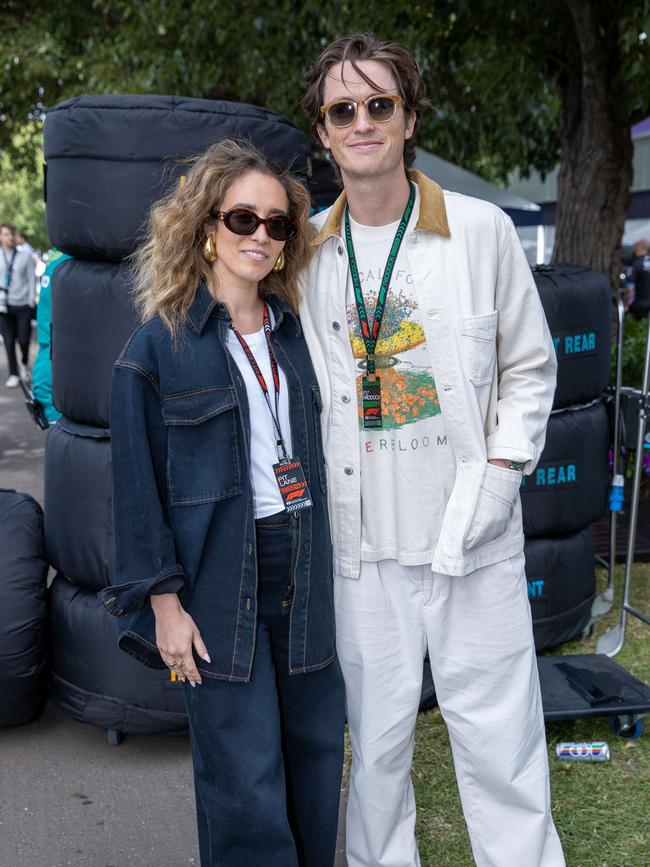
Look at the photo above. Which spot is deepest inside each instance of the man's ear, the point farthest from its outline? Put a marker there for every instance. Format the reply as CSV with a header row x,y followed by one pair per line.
x,y
410,124
323,136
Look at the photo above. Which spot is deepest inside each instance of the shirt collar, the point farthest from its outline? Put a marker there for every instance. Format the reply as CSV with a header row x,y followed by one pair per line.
x,y
432,218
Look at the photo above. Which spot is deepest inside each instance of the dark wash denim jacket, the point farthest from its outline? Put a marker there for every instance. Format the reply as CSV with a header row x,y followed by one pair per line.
x,y
183,510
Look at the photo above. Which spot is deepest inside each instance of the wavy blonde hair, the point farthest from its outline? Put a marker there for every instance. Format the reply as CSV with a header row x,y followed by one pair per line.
x,y
170,264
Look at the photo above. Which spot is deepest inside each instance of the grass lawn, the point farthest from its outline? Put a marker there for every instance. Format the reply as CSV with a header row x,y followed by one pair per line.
x,y
602,811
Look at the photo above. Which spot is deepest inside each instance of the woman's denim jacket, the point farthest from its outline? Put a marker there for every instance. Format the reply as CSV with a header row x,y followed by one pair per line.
x,y
183,510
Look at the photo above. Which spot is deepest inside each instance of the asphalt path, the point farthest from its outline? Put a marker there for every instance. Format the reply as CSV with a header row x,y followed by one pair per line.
x,y
67,797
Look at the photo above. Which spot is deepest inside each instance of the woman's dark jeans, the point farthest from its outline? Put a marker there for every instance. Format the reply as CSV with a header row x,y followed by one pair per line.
x,y
268,754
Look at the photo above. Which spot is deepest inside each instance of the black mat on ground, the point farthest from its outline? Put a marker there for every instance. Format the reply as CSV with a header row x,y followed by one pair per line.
x,y
78,503
561,585
95,682
109,158
569,488
565,680
578,307
23,609
92,318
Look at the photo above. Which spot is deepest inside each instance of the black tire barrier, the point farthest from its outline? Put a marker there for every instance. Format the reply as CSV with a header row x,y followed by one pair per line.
x,y
561,586
568,489
109,158
92,319
78,503
428,698
23,610
95,682
578,307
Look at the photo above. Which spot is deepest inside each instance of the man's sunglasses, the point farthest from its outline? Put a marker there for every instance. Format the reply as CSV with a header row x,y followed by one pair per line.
x,y
241,221
380,108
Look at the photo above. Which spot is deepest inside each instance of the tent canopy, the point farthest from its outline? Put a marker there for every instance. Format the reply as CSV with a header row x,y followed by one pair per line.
x,y
452,177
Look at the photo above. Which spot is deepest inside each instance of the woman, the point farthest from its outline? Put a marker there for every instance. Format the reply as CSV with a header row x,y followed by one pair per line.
x,y
222,544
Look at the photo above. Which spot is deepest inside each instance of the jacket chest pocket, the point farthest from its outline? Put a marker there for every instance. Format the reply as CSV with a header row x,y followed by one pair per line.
x,y
202,452
479,343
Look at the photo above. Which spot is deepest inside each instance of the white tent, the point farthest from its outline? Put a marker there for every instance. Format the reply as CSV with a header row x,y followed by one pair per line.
x,y
453,178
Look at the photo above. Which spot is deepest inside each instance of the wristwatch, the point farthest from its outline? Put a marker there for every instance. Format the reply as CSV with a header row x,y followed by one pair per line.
x,y
518,466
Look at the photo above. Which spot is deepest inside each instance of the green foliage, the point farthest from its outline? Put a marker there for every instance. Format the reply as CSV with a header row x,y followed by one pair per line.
x,y
21,191
635,334
491,70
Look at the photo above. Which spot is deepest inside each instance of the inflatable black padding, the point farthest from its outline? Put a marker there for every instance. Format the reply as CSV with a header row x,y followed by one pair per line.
x,y
578,306
94,681
23,610
428,698
569,487
109,158
78,503
561,585
92,318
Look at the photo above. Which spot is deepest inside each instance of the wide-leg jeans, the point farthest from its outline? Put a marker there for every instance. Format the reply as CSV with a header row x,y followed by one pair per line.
x,y
268,754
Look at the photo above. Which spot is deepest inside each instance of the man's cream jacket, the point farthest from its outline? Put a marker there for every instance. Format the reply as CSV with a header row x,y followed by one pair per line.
x,y
492,358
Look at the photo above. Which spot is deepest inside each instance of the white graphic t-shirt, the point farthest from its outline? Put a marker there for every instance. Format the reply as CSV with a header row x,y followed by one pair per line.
x,y
407,466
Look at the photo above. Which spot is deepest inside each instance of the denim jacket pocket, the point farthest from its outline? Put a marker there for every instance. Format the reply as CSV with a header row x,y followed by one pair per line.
x,y
203,463
479,342
317,408
494,506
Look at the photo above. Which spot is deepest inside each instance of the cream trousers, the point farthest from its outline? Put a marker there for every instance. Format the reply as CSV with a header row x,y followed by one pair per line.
x,y
477,629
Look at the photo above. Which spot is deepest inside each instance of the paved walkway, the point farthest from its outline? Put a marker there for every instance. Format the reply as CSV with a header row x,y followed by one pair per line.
x,y
66,796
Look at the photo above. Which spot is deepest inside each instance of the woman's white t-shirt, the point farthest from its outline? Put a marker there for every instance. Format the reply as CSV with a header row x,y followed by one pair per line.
x,y
263,449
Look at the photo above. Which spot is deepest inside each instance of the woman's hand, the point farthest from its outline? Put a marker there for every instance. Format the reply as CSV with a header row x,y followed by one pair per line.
x,y
176,634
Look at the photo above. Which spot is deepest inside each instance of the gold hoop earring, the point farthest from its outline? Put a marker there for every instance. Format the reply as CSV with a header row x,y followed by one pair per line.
x,y
209,250
279,265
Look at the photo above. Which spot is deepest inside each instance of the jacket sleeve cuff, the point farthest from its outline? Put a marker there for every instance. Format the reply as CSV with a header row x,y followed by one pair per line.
x,y
173,584
520,450
126,598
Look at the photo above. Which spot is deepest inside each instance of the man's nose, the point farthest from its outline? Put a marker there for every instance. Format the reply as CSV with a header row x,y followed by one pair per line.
x,y
363,122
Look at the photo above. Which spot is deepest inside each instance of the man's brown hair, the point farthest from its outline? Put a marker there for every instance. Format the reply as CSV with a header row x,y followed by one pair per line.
x,y
366,46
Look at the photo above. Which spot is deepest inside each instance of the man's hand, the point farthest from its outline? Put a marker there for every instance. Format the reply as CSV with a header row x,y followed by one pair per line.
x,y
176,634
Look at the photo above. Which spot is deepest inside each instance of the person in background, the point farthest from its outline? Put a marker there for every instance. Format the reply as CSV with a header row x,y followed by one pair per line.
x,y
42,370
17,294
639,278
223,564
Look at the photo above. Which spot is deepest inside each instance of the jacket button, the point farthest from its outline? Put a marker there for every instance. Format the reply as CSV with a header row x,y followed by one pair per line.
x,y
336,326
348,471
296,386
345,398
339,250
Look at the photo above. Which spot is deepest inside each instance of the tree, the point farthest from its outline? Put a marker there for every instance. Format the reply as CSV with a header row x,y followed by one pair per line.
x,y
514,85
21,196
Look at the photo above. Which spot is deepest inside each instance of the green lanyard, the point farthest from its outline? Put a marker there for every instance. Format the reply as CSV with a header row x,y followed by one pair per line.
x,y
370,338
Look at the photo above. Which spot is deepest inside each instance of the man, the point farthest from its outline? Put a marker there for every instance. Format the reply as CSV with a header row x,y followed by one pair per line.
x,y
437,371
17,290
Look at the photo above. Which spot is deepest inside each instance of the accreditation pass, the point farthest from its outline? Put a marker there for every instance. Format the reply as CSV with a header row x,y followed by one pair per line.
x,y
292,483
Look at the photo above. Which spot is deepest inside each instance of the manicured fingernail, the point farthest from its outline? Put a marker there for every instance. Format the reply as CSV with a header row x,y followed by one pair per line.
x,y
206,656
193,684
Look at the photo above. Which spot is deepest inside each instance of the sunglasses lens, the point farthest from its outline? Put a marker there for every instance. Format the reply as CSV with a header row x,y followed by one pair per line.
x,y
241,222
381,108
342,113
280,228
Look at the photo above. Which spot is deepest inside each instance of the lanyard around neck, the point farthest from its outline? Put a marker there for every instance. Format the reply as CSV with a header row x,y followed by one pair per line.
x,y
283,455
370,337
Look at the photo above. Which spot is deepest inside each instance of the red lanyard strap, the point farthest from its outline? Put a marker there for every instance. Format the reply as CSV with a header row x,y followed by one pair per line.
x,y
283,455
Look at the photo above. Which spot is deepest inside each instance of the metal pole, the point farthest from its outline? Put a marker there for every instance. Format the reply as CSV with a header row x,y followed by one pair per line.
x,y
612,642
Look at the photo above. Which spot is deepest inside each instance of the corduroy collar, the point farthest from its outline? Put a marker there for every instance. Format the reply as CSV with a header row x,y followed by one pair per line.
x,y
432,218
